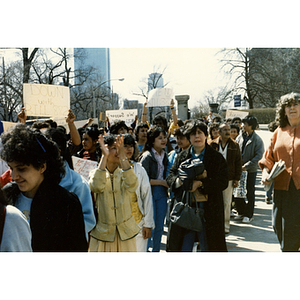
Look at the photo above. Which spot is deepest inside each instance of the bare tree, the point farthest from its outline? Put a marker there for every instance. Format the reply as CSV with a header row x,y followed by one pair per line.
x,y
152,82
27,61
238,64
220,95
10,90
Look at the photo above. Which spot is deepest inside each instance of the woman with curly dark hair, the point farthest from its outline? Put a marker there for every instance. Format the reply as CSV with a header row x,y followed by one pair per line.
x,y
54,214
155,161
285,145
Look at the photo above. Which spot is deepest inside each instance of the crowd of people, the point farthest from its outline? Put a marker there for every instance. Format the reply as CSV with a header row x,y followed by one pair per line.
x,y
47,206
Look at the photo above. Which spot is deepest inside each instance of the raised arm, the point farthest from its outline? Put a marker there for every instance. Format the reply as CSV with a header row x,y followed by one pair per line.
x,y
144,115
75,137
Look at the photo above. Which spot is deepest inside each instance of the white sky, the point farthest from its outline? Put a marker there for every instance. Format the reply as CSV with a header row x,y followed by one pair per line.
x,y
190,71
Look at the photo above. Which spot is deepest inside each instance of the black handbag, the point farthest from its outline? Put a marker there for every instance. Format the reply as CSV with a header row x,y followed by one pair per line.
x,y
185,216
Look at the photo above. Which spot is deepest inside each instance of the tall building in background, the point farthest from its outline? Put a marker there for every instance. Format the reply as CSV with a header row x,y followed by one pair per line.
x,y
98,58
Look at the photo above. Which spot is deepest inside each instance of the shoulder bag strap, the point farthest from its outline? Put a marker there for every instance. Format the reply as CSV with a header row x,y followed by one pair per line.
x,y
2,219
197,205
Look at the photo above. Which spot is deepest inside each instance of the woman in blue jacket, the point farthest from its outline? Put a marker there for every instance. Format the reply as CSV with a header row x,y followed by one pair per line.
x,y
54,214
155,161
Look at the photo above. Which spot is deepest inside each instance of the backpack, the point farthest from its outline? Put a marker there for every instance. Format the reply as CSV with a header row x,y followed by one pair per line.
x,y
2,219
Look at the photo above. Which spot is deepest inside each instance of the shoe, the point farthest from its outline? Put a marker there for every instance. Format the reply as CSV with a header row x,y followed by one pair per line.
x,y
226,231
238,217
247,220
232,214
268,200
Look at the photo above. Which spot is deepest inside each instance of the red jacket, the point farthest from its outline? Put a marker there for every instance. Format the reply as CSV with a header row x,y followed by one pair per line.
x,y
5,178
285,145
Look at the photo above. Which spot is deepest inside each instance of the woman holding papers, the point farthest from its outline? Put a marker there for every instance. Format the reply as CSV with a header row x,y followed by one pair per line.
x,y
285,146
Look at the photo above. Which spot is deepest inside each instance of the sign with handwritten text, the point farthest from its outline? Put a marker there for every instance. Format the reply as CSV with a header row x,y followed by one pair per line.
x,y
231,113
160,97
83,166
47,100
127,115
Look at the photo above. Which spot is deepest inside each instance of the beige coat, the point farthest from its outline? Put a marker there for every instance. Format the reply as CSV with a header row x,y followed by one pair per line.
x,y
113,204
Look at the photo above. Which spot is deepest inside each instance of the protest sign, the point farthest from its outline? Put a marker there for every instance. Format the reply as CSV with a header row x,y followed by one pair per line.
x,y
231,113
127,115
160,97
7,125
46,100
83,166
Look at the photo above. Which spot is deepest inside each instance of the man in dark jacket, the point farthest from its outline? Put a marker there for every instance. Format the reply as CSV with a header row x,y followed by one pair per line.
x,y
252,149
231,152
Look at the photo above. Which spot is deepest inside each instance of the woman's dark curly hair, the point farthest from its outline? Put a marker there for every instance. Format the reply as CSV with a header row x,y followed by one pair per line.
x,y
191,127
283,102
152,134
25,145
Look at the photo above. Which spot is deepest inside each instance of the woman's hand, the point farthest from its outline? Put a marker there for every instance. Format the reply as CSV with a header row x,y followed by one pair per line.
x,y
146,233
71,117
235,183
103,147
22,116
196,185
265,174
120,146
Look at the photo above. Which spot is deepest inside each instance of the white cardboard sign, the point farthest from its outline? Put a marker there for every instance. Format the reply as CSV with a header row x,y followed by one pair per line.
x,y
47,100
127,115
83,166
231,113
160,97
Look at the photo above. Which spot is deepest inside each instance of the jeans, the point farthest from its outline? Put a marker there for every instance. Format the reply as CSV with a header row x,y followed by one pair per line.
x,y
243,208
160,197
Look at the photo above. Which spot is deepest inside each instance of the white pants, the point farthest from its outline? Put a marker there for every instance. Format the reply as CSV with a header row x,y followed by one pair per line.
x,y
141,243
227,198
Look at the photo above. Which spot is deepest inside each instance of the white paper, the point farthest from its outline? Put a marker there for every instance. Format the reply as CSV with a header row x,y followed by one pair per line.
x,y
278,168
83,166
46,100
127,115
160,97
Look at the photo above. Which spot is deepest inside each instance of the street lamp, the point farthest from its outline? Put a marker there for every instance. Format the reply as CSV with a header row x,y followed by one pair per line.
x,y
94,101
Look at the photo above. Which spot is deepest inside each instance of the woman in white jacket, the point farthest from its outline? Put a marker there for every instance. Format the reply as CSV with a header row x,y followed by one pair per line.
x,y
142,205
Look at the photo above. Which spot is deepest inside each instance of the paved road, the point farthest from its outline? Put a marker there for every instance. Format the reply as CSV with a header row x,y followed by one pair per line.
x,y
257,236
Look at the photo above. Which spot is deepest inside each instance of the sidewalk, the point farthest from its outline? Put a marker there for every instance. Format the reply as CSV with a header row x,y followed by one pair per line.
x,y
257,236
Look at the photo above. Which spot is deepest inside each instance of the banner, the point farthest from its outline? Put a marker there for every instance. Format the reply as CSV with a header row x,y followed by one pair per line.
x,y
83,166
46,100
160,97
127,115
231,113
